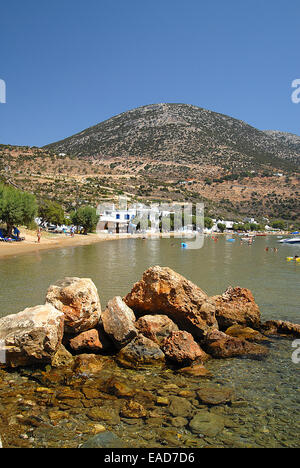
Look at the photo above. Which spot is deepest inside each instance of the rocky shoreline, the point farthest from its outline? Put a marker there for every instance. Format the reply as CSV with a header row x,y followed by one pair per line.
x,y
70,357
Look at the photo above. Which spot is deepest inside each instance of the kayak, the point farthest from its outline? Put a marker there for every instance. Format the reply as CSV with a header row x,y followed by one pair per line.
x,y
290,259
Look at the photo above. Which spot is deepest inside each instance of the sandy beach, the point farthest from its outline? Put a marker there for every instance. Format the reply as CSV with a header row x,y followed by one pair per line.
x,y
48,242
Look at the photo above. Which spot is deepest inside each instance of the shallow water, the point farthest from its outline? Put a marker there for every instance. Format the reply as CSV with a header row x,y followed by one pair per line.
x,y
116,265
266,411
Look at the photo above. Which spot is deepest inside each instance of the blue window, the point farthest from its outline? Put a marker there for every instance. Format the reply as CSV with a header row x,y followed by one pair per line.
x,y
127,216
117,216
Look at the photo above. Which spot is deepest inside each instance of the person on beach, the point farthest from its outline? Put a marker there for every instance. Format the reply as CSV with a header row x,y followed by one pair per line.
x,y
39,235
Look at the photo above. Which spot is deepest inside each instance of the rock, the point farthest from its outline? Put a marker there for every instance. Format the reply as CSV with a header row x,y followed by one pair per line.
x,y
206,423
163,291
32,336
220,345
133,409
213,395
162,401
195,371
89,364
237,307
280,327
109,415
63,358
156,327
245,333
78,299
141,352
118,388
86,341
180,407
119,322
104,440
181,348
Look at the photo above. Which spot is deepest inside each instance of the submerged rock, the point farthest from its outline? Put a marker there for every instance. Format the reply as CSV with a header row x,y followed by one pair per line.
x,y
78,299
32,336
104,440
119,322
181,347
245,333
133,409
237,307
280,327
156,327
213,395
197,370
89,364
163,291
206,423
220,345
141,352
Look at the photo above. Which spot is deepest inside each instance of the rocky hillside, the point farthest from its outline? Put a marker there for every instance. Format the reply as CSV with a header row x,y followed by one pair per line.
x,y
183,134
289,139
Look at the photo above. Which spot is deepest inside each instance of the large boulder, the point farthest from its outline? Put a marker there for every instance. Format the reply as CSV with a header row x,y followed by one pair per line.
x,y
141,352
220,345
181,348
78,299
280,327
156,327
119,322
237,307
32,336
163,291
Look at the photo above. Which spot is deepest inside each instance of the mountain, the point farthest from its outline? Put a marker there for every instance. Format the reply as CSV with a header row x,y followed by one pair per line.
x,y
183,134
289,139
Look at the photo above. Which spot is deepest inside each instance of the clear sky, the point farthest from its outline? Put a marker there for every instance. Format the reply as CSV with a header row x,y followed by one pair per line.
x,y
70,64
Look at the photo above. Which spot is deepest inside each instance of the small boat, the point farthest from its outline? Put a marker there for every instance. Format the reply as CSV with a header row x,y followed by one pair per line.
x,y
294,240
291,259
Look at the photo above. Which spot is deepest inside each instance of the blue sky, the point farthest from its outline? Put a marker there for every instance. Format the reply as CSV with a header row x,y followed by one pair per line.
x,y
70,64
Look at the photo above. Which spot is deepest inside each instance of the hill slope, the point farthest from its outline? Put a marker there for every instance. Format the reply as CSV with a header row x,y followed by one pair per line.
x,y
289,139
183,134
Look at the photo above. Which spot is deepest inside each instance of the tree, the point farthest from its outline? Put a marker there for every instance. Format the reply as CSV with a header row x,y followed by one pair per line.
x,y
208,223
16,207
51,212
278,225
86,217
221,227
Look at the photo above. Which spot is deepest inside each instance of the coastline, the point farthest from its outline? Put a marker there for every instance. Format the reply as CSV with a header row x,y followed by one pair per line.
x,y
61,241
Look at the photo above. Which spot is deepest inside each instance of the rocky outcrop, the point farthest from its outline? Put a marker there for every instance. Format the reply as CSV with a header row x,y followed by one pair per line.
x,y
237,307
119,322
163,291
31,336
181,348
280,327
220,345
141,352
156,327
78,299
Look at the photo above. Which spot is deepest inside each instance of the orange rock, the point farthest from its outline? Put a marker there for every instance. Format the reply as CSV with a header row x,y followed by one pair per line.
x,y
163,291
181,347
237,307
